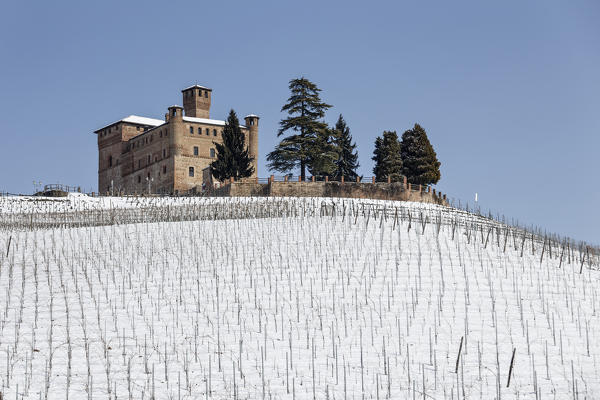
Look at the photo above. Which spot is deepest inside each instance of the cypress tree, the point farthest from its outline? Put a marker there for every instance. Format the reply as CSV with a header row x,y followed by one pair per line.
x,y
233,159
347,161
388,162
421,165
305,110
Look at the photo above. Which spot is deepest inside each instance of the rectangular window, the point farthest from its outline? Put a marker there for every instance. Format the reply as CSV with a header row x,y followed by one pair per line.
x,y
191,129
191,171
199,131
214,132
206,93
164,153
139,164
200,92
195,150
164,169
212,152
207,131
139,178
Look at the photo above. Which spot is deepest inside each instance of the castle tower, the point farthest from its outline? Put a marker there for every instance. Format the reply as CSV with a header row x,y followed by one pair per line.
x,y
252,124
175,115
196,101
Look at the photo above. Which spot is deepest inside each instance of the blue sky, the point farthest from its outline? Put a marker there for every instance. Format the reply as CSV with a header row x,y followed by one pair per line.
x,y
508,92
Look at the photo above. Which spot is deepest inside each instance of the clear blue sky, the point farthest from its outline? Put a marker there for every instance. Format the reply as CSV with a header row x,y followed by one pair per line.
x,y
509,91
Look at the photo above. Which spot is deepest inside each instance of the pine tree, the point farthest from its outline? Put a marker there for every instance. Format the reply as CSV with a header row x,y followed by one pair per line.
x,y
386,155
233,159
347,161
421,165
305,110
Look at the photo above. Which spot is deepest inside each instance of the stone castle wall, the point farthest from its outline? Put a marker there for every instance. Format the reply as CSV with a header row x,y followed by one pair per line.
x,y
377,191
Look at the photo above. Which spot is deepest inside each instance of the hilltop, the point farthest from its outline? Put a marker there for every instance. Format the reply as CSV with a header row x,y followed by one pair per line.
x,y
289,298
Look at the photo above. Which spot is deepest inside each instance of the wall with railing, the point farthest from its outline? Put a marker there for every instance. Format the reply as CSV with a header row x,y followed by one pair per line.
x,y
289,186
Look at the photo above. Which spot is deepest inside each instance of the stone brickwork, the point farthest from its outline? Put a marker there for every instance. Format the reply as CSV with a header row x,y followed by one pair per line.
x,y
145,155
368,190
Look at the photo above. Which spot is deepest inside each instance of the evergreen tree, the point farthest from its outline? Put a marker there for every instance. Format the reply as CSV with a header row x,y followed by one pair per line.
x,y
233,159
323,154
347,161
388,162
421,165
305,110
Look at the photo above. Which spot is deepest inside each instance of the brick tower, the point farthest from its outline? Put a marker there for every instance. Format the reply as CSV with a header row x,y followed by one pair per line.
x,y
196,101
252,125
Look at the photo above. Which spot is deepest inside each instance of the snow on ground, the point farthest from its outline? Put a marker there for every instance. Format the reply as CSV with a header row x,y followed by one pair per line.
x,y
80,202
311,305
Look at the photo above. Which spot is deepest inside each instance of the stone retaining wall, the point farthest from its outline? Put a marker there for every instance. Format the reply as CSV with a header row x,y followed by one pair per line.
x,y
378,191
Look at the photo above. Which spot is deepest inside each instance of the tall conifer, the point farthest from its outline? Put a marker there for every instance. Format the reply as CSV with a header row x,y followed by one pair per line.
x,y
305,110
347,161
233,159
421,165
323,154
386,155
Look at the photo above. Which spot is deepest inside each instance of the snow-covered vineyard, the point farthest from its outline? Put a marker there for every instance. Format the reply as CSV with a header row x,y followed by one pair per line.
x,y
289,299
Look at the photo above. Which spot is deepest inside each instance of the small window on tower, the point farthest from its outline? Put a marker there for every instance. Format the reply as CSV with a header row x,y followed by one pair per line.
x,y
191,171
164,153
200,92
139,178
110,161
195,150
191,129
206,93
164,169
207,131
214,132
212,152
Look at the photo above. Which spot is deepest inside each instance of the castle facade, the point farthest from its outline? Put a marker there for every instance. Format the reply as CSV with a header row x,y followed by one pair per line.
x,y
146,155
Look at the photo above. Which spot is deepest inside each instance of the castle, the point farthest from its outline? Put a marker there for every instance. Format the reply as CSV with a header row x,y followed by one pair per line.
x,y
145,155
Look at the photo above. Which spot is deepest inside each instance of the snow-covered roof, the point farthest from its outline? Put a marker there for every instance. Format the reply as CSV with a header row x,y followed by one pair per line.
x,y
207,121
196,87
175,105
136,119
251,116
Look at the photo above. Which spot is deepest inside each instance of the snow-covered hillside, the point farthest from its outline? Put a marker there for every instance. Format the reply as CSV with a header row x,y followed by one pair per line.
x,y
295,299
